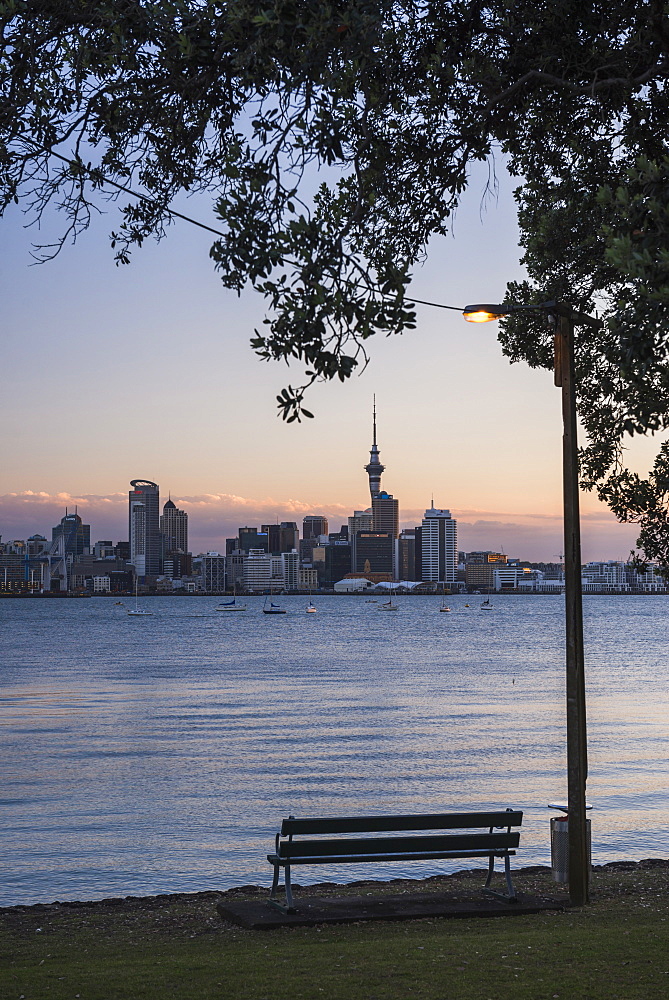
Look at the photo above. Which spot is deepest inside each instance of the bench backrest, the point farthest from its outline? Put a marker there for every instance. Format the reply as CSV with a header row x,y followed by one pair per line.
x,y
468,844
425,821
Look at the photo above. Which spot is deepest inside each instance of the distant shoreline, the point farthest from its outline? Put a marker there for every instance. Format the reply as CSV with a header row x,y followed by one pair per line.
x,y
331,593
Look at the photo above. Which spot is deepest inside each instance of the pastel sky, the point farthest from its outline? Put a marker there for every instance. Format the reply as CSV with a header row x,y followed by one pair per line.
x,y
111,374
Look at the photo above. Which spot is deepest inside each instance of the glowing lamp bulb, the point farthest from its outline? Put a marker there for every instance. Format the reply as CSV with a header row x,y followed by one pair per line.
x,y
483,313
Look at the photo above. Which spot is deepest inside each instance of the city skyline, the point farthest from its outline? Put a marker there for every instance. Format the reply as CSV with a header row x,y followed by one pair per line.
x,y
147,369
214,518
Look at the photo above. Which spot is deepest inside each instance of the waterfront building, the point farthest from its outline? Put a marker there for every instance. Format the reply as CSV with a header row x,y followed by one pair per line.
x,y
439,546
480,568
290,570
336,563
308,578
12,572
144,527
374,468
36,549
212,572
257,570
481,558
82,571
513,577
373,552
174,528
610,575
234,569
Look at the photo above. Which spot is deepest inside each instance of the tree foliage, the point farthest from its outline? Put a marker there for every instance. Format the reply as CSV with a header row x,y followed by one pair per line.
x,y
335,138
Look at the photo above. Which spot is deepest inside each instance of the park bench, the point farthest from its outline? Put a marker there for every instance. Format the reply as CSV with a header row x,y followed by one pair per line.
x,y
319,841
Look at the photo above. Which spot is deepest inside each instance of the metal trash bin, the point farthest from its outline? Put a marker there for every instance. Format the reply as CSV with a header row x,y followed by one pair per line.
x,y
560,847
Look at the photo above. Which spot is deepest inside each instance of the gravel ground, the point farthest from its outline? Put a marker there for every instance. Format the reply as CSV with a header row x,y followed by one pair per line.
x,y
194,914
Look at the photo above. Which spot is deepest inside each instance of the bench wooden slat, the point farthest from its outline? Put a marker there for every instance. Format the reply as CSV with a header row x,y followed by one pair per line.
x,y
399,845
333,859
425,821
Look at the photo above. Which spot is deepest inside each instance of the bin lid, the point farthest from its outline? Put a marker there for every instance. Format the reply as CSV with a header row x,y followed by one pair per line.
x,y
563,807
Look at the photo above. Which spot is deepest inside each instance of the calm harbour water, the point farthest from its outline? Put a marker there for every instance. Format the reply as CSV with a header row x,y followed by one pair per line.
x,y
159,755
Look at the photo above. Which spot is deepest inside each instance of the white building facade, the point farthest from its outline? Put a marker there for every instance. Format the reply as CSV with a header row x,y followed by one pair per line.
x,y
439,546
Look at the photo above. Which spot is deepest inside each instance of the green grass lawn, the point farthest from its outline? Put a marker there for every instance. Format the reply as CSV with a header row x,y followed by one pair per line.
x,y
178,947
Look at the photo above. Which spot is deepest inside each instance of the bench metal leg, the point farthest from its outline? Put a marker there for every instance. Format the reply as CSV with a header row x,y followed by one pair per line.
x,y
510,896
273,901
275,882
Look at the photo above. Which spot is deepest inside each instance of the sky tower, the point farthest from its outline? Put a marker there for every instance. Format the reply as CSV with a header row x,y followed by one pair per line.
x,y
374,468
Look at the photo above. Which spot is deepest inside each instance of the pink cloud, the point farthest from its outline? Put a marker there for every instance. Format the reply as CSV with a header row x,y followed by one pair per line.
x,y
217,516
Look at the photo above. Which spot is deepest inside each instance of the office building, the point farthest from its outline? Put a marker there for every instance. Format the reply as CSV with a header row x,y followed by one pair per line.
x,y
373,552
272,534
360,520
406,555
480,568
336,562
290,567
234,569
313,526
213,573
75,534
386,513
289,537
248,539
174,528
144,527
439,546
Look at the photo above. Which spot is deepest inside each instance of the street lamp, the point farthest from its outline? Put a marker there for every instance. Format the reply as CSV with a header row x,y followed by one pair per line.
x,y
564,319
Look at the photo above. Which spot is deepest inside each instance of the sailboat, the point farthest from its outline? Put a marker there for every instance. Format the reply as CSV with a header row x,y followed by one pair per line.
x,y
486,606
138,612
444,605
272,609
231,605
388,605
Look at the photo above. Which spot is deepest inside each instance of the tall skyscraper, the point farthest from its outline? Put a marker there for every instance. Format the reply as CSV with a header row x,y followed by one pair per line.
x,y
249,538
439,546
313,526
386,513
174,528
76,535
273,533
361,520
144,527
374,467
289,536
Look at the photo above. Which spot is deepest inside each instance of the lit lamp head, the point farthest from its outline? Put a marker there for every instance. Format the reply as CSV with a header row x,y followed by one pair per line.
x,y
484,312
